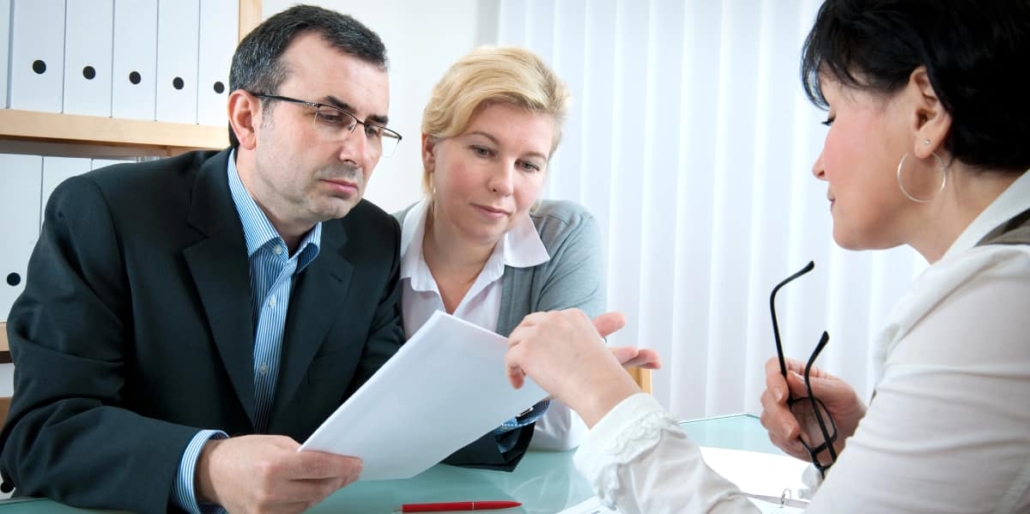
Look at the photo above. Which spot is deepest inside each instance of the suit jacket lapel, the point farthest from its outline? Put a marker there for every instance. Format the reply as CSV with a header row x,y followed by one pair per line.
x,y
315,304
221,273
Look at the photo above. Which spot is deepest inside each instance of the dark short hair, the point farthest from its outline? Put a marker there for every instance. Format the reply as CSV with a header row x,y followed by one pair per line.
x,y
973,51
257,64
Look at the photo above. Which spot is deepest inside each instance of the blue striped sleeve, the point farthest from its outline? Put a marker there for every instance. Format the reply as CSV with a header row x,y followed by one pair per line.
x,y
185,496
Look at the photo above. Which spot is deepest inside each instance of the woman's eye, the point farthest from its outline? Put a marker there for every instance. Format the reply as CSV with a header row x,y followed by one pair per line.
x,y
529,166
481,151
829,121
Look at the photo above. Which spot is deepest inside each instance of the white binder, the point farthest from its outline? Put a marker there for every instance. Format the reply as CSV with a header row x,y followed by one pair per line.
x,y
5,48
19,223
37,55
57,170
134,81
219,22
178,33
89,33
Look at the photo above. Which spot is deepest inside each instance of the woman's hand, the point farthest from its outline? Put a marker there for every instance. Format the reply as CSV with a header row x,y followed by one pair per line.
x,y
564,353
785,430
633,357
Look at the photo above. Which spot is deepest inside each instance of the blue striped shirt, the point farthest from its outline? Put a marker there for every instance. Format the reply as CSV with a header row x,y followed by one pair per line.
x,y
273,272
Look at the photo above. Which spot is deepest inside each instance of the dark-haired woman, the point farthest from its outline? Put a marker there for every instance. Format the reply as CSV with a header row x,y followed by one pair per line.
x,y
929,146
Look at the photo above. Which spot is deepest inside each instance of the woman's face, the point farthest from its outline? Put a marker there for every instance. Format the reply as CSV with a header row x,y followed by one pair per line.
x,y
866,140
487,178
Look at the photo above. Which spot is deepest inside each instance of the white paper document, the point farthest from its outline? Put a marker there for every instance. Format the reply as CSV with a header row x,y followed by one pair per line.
x,y
446,387
765,478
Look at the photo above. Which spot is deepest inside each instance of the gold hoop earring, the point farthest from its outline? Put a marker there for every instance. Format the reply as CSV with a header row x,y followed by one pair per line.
x,y
944,179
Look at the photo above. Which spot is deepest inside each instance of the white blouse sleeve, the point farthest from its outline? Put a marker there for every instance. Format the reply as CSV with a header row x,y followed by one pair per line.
x,y
639,459
948,429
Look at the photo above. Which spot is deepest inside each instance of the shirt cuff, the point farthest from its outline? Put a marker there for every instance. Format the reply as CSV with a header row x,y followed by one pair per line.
x,y
185,497
627,414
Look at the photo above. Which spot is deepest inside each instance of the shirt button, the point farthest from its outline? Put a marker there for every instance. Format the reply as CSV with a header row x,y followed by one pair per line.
x,y
263,369
278,249
271,302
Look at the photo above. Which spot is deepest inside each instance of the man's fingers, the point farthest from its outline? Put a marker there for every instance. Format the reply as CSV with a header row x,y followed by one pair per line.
x,y
609,323
316,465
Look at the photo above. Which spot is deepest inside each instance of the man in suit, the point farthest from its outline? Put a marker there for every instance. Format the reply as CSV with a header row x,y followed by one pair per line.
x,y
187,321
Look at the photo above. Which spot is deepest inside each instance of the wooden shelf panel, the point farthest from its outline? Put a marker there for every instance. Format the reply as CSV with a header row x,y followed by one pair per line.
x,y
250,16
5,351
92,130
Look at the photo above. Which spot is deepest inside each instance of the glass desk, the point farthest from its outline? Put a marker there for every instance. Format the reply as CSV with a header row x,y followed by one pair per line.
x,y
545,482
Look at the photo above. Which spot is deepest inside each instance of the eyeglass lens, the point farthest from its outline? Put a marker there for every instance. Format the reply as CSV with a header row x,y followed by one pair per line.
x,y
336,125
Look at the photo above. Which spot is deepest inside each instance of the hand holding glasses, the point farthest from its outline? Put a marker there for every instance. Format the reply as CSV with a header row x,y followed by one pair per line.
x,y
818,429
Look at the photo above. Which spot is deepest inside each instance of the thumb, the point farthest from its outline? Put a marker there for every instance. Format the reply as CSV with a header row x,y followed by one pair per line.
x,y
609,323
821,387
796,384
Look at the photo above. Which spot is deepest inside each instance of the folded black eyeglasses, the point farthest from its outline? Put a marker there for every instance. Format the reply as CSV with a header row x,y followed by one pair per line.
x,y
818,430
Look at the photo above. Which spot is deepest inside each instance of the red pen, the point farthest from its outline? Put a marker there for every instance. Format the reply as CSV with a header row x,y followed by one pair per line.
x,y
451,506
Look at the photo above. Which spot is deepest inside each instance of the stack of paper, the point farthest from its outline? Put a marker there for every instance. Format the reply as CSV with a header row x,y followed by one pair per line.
x,y
445,388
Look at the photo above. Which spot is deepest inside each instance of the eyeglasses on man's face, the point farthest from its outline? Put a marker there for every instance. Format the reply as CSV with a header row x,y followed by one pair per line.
x,y
335,124
818,430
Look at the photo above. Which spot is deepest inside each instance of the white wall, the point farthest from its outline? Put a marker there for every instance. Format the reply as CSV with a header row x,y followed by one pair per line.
x,y
422,39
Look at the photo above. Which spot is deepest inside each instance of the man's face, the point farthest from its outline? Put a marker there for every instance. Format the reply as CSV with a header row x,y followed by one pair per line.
x,y
307,169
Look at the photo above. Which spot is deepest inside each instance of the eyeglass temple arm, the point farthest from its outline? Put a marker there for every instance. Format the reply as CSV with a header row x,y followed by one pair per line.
x,y
808,387
772,309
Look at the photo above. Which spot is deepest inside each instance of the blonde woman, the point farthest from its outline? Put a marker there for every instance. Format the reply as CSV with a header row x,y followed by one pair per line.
x,y
481,245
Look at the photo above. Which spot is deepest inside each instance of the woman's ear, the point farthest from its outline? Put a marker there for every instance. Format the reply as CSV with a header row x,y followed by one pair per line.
x,y
243,113
429,153
931,122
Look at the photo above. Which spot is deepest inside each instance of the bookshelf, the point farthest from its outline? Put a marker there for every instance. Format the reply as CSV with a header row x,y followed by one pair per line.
x,y
166,138
93,131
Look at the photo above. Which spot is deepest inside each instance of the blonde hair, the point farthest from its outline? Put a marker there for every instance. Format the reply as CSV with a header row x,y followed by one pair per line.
x,y
493,75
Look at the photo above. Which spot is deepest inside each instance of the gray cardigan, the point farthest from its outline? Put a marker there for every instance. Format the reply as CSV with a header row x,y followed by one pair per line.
x,y
573,277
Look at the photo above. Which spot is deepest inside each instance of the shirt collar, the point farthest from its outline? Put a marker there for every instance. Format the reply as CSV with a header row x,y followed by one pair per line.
x,y
521,247
412,233
1012,202
257,230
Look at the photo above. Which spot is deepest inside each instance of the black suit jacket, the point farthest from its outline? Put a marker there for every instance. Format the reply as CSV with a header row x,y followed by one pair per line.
x,y
135,330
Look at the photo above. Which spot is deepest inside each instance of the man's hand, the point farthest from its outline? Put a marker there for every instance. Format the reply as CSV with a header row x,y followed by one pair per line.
x,y
261,473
